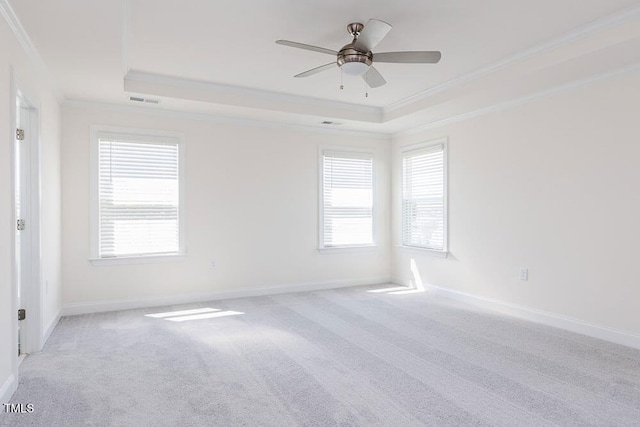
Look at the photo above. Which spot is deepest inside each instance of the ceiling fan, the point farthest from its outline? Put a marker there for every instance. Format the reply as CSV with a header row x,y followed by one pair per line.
x,y
356,58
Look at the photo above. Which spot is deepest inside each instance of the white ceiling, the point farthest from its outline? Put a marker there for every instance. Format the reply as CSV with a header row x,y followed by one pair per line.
x,y
219,57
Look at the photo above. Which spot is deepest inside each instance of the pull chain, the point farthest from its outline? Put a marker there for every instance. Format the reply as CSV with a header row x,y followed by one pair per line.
x,y
341,74
366,86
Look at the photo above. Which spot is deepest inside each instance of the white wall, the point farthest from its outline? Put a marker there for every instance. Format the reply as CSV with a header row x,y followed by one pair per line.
x,y
13,57
252,206
553,186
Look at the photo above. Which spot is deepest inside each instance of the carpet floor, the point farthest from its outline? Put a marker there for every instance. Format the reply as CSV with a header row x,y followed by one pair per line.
x,y
361,356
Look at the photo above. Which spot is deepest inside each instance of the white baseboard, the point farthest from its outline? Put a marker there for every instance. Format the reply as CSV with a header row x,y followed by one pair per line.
x,y
8,388
49,329
539,316
115,305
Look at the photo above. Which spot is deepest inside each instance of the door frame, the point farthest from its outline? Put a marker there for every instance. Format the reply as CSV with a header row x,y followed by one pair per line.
x,y
32,290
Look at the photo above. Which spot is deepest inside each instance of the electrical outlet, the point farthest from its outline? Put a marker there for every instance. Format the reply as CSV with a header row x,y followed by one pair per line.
x,y
524,273
213,264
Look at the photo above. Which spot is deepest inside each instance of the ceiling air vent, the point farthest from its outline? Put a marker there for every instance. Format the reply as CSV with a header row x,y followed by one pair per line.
x,y
147,100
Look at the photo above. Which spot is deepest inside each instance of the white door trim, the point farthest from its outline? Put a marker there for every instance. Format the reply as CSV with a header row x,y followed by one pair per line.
x,y
32,290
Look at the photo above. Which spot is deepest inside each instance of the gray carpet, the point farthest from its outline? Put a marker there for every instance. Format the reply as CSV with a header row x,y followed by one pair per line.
x,y
344,357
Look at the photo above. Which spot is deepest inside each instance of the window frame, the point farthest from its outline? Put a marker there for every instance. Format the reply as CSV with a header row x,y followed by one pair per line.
x,y
404,151
134,135
322,248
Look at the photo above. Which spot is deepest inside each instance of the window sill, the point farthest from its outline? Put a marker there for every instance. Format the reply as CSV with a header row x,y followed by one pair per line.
x,y
346,249
425,251
142,259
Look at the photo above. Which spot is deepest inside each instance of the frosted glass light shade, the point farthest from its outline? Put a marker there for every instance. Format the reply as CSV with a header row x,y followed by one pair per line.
x,y
354,68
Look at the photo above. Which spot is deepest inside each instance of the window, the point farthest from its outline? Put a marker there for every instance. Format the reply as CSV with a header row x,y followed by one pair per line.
x,y
346,202
424,197
137,202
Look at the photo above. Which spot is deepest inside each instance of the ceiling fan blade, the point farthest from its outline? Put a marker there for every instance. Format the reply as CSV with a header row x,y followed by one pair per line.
x,y
372,33
317,70
373,78
306,47
418,57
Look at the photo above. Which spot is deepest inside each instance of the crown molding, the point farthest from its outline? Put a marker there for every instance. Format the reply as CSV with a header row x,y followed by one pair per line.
x,y
569,37
295,104
171,86
214,118
29,48
501,106
176,87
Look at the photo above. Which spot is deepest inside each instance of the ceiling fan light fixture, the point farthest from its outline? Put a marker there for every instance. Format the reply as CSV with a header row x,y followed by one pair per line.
x,y
354,61
355,68
356,58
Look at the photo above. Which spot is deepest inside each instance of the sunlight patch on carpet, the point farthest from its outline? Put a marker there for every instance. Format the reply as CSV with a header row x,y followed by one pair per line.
x,y
182,312
195,314
205,316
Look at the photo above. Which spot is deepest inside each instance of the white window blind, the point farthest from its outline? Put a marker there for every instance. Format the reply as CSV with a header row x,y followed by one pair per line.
x,y
423,198
347,199
138,197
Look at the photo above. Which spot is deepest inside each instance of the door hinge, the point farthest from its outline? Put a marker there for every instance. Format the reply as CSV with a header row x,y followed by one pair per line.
x,y
22,314
20,134
20,224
